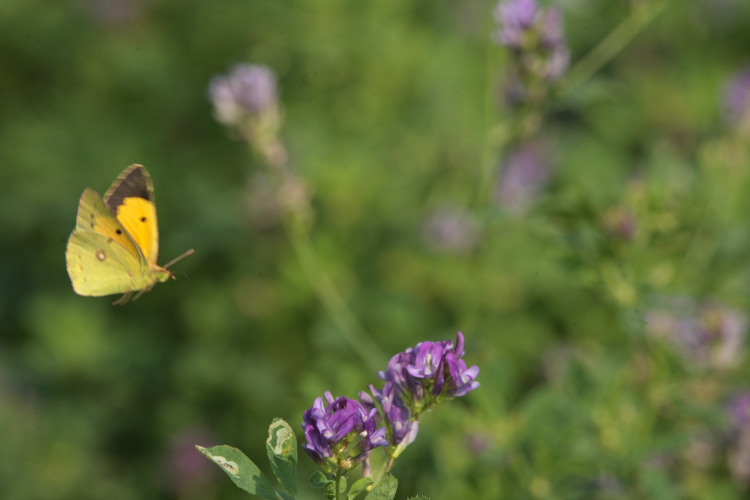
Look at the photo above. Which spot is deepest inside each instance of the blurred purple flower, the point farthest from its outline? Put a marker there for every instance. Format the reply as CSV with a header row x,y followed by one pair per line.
x,y
621,223
738,409
708,334
525,174
452,230
535,33
248,91
737,99
516,18
340,428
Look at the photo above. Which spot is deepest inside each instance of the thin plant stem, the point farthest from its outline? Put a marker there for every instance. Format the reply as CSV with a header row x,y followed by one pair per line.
x,y
296,221
612,44
385,468
335,305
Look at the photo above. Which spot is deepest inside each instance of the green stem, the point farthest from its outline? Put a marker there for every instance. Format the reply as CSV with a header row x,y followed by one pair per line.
x,y
335,305
296,219
383,470
641,16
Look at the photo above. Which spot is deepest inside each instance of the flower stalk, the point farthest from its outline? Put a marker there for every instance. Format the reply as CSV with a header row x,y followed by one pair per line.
x,y
246,101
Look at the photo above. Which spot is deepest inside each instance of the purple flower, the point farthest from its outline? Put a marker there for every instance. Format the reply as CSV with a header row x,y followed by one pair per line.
x,y
185,468
536,34
621,223
249,90
340,428
452,230
737,99
516,18
738,409
463,379
525,174
427,360
553,39
402,429
707,334
419,373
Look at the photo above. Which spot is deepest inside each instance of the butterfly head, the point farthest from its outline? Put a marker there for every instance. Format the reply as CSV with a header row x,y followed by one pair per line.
x,y
163,274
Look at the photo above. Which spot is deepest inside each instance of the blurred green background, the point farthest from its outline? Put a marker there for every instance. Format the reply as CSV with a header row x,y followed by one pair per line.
x,y
389,109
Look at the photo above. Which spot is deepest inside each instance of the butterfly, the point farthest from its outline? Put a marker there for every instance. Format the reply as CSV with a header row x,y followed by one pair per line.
x,y
115,244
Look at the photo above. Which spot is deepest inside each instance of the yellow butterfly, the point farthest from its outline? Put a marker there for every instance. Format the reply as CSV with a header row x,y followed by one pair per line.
x,y
115,244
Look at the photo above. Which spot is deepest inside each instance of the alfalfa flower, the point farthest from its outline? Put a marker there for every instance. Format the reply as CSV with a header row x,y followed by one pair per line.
x,y
401,427
341,432
248,91
431,371
707,335
525,174
246,100
535,35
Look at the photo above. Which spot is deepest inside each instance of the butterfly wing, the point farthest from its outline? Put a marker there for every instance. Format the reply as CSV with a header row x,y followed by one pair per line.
x,y
99,265
131,200
101,257
93,215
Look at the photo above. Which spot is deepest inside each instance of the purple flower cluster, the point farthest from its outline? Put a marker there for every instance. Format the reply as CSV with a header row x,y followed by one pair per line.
x,y
431,370
739,411
525,174
347,430
248,91
452,230
398,418
708,334
343,425
535,34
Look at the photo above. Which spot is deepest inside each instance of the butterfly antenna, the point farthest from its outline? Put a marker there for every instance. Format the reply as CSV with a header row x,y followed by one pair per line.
x,y
179,258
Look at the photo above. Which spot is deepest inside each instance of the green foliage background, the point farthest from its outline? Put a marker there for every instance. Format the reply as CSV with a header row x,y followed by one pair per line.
x,y
388,111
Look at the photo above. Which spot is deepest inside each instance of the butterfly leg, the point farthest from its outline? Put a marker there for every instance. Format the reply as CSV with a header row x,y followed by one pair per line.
x,y
124,299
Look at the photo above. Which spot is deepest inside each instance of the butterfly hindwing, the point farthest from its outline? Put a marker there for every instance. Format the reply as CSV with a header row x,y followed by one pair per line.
x,y
99,265
131,200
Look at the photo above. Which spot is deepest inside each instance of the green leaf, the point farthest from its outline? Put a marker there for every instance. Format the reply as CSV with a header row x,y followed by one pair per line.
x,y
358,487
319,480
281,446
241,470
384,490
419,498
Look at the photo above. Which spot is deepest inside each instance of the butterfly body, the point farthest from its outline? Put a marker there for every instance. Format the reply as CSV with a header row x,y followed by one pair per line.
x,y
115,244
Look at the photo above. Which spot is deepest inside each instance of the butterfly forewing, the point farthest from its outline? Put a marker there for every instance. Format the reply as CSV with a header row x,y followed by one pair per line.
x,y
131,199
93,215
